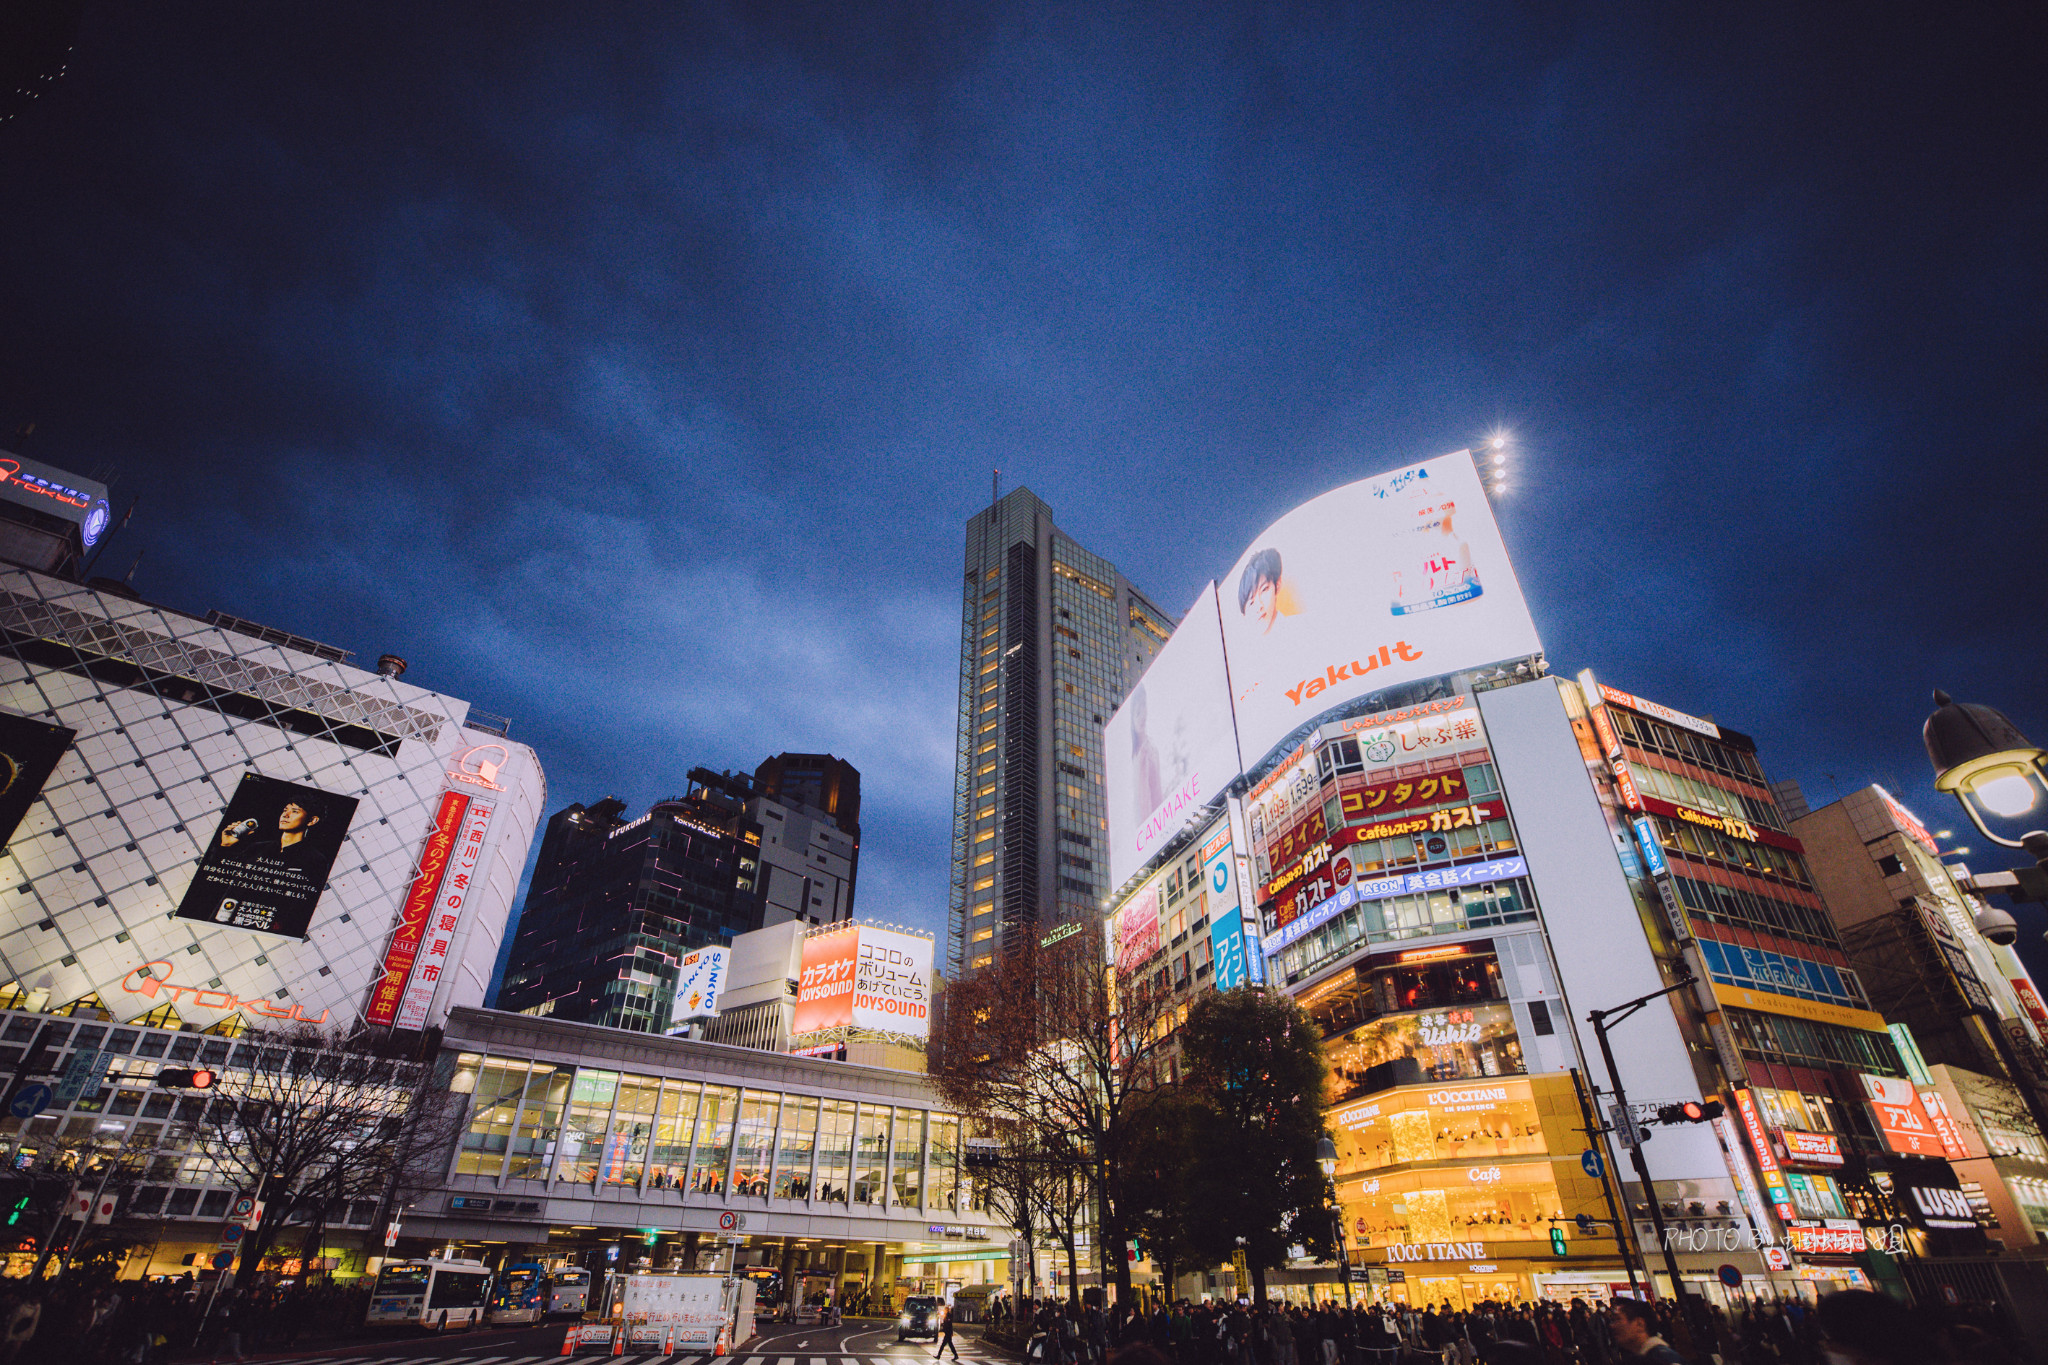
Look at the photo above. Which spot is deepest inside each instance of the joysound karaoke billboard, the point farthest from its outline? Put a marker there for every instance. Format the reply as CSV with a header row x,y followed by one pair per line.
x,y
1388,580
864,977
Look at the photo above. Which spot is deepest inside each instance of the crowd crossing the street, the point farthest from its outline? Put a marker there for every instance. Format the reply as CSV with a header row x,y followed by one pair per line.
x,y
1845,1329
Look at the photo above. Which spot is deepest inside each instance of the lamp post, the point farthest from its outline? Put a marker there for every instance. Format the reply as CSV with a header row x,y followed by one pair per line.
x,y
1997,773
1326,1157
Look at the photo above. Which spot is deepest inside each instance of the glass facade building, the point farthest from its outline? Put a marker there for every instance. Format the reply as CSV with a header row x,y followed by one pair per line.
x,y
1051,639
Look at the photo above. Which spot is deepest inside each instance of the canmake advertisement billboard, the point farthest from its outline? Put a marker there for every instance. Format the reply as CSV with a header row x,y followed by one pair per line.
x,y
1169,749
865,977
1380,582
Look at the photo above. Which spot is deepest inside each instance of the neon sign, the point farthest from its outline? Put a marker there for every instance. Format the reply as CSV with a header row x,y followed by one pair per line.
x,y
144,981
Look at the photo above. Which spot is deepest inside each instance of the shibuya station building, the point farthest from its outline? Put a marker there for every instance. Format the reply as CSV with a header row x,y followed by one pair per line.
x,y
1352,779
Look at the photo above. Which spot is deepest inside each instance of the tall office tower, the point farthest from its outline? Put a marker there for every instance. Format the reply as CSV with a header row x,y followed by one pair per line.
x,y
615,903
826,784
1051,638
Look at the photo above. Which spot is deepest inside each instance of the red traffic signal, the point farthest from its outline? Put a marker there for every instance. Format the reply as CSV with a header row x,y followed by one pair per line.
x,y
185,1078
1692,1111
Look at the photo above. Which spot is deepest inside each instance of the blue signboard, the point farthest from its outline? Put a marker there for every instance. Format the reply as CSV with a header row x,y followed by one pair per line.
x,y
32,1100
1226,950
1653,852
1471,874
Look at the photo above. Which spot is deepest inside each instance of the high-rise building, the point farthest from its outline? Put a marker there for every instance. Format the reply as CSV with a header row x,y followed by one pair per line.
x,y
615,903
1051,639
826,784
808,808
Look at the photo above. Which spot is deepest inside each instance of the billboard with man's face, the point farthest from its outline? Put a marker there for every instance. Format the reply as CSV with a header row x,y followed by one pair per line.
x,y
1169,749
29,752
269,859
1381,582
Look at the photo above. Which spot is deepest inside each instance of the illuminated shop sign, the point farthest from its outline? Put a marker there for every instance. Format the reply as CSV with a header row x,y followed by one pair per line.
x,y
1907,821
1732,826
1437,1251
1827,1237
148,981
1814,1149
1900,1116
1625,782
1474,1044
1766,1160
1603,725
1653,852
416,913
49,489
1663,713
1435,822
1380,888
1934,1207
1815,1196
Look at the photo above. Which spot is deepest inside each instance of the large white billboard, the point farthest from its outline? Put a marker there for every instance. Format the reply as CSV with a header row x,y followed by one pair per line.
x,y
1381,582
1169,749
892,982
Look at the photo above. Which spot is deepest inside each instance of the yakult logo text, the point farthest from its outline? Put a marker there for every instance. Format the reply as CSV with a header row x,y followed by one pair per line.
x,y
1345,672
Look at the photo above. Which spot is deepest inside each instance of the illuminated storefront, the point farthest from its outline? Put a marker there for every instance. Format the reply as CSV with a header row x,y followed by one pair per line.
x,y
1450,1191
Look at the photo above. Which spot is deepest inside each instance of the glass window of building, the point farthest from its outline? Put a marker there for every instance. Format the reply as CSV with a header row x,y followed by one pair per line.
x,y
494,1112
632,1127
871,1155
540,1122
1483,1203
908,1159
835,1150
675,1123
754,1151
585,1125
714,1139
799,1141
944,1177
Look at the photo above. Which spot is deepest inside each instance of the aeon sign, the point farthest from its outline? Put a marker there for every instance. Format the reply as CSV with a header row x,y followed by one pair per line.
x,y
144,981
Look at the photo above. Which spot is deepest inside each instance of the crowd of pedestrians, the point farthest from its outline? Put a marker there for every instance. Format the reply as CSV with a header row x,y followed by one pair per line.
x,y
1845,1329
96,1321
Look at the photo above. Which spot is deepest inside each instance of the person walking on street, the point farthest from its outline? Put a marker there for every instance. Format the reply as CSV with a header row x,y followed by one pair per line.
x,y
946,1334
1633,1325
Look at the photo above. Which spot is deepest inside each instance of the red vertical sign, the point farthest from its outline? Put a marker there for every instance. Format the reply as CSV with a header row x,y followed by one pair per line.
x,y
419,903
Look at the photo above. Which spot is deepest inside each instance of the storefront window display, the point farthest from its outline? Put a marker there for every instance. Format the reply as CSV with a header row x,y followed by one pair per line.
x,y
1455,1123
1482,1202
1429,1045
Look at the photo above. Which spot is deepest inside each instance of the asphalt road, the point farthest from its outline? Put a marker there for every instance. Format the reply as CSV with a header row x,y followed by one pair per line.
x,y
854,1343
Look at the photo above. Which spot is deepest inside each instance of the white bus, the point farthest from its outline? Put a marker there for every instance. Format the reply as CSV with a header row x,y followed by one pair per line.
x,y
568,1291
436,1295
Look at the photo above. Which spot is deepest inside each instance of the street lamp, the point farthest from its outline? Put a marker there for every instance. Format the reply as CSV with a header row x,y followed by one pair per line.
x,y
1326,1158
1999,775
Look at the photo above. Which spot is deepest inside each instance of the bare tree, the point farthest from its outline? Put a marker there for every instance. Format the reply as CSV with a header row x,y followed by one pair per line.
x,y
308,1122
1049,1040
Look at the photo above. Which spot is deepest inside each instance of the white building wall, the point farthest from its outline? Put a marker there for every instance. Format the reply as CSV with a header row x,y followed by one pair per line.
x,y
90,884
1596,935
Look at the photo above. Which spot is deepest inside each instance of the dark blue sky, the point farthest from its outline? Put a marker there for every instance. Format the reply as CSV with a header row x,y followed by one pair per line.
x,y
632,369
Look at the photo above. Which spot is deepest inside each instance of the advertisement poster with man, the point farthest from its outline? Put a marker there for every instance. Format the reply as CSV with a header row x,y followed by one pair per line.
x,y
268,861
1380,582
29,750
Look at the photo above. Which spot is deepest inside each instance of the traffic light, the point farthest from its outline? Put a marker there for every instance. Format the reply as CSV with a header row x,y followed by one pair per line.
x,y
1692,1111
1557,1247
1584,1220
184,1078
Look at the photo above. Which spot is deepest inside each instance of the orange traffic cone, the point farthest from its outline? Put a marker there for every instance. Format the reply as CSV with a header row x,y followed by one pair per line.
x,y
619,1335
569,1341
724,1346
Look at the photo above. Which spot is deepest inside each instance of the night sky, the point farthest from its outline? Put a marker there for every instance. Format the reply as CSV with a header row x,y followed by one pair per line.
x,y
631,369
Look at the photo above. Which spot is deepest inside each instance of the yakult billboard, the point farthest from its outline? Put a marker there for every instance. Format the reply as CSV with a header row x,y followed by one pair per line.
x,y
1169,749
1380,582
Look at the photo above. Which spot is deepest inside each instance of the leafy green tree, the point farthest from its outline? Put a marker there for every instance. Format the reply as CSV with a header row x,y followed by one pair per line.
x,y
1163,1137
1254,1073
